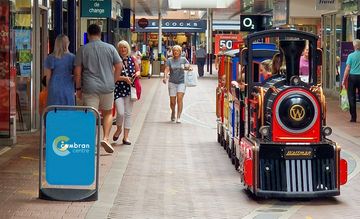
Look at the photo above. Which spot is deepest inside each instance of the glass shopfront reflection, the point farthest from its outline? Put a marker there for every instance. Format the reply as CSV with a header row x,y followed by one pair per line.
x,y
22,30
7,85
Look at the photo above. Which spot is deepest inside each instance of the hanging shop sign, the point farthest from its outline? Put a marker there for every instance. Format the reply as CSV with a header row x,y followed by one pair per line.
x,y
96,8
230,41
143,22
173,26
326,5
251,23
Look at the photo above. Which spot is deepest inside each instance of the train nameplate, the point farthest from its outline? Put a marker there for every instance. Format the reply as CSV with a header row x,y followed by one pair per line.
x,y
298,153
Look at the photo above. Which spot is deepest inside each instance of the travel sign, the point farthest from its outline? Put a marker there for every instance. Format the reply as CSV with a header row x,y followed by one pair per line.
x,y
96,8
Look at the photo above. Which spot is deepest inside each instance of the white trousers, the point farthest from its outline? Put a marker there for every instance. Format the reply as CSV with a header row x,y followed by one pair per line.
x,y
124,108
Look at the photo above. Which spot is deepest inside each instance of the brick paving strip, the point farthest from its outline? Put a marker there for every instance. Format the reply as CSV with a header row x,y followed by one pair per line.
x,y
108,192
179,170
20,166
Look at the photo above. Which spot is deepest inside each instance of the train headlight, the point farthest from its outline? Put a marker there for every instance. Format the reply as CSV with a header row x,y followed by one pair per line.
x,y
327,131
264,130
295,80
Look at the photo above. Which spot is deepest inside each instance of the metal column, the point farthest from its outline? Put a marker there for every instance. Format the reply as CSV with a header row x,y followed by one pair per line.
x,y
72,24
160,36
210,38
58,17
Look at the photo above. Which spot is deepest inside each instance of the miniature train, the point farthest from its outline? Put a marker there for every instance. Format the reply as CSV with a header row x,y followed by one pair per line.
x,y
274,129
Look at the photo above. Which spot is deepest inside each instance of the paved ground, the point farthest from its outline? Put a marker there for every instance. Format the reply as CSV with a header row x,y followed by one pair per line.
x,y
172,170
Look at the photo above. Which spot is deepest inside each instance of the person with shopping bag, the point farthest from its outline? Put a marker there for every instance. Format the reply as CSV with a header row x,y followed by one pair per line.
x,y
352,77
175,69
126,91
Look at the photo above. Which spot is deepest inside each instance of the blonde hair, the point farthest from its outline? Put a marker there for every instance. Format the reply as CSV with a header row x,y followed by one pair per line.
x,y
267,64
356,44
61,46
177,47
277,63
124,44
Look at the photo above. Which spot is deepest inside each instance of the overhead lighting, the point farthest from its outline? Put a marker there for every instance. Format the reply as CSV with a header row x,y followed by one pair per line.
x,y
174,4
191,4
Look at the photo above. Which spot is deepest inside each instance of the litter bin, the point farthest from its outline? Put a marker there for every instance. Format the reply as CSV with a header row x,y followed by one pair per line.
x,y
155,68
145,67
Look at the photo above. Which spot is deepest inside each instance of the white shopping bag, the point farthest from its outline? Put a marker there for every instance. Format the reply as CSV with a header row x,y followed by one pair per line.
x,y
191,79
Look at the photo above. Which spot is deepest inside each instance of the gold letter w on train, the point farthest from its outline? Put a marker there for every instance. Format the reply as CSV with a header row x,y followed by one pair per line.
x,y
297,112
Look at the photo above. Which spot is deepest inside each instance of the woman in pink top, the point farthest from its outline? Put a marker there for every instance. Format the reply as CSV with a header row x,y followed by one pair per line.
x,y
304,65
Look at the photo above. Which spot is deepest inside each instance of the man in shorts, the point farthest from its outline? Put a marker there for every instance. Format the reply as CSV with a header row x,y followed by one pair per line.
x,y
95,78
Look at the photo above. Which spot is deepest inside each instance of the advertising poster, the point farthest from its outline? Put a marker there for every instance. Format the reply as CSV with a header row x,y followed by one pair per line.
x,y
22,39
345,49
23,50
230,41
70,156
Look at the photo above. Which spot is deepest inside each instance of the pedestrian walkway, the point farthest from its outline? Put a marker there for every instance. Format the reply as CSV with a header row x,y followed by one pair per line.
x,y
170,171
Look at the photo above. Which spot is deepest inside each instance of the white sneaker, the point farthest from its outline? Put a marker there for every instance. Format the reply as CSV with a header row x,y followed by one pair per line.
x,y
178,120
108,148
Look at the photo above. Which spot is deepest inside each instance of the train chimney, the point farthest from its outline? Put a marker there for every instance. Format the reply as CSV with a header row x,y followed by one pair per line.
x,y
292,50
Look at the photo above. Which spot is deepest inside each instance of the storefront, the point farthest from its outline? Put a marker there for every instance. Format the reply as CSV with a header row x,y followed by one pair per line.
x,y
191,32
340,28
113,20
25,28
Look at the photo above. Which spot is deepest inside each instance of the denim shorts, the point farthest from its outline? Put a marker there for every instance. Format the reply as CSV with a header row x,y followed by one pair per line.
x,y
176,88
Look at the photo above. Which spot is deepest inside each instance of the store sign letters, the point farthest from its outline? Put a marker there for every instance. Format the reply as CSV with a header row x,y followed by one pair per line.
x,y
96,8
326,5
174,26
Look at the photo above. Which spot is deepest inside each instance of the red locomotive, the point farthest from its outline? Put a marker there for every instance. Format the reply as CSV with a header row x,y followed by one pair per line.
x,y
280,138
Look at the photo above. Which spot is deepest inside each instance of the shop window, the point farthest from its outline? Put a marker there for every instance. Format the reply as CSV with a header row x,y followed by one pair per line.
x,y
21,28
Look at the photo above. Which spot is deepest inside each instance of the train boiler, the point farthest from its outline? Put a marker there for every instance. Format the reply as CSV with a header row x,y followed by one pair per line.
x,y
283,148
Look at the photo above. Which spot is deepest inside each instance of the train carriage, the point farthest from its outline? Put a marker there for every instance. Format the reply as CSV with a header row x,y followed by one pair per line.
x,y
283,148
261,52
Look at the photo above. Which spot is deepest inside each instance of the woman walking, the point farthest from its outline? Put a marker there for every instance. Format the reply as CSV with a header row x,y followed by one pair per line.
x,y
59,73
352,75
175,67
124,105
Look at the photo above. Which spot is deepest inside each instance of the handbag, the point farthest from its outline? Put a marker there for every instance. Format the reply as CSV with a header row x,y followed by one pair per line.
x,y
191,79
133,96
344,101
137,85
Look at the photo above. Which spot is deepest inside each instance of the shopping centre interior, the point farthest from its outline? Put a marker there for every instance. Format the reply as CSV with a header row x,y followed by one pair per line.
x,y
28,30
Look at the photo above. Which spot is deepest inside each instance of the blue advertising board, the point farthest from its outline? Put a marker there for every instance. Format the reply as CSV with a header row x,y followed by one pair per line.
x,y
70,147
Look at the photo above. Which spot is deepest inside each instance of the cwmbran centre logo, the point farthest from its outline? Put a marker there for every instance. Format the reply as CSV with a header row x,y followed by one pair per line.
x,y
63,147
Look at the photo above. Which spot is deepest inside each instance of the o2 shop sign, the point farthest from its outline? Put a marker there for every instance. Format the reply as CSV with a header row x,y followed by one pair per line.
x,y
230,41
249,23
